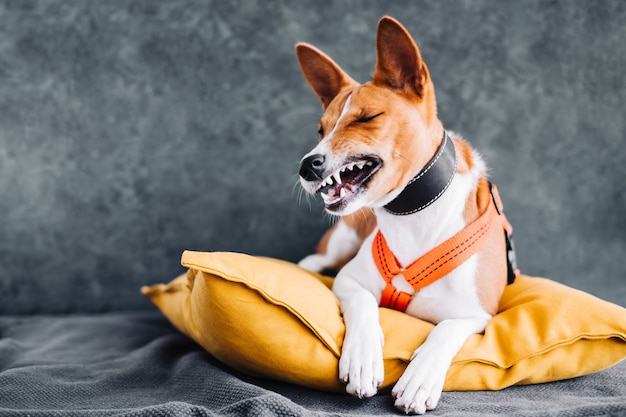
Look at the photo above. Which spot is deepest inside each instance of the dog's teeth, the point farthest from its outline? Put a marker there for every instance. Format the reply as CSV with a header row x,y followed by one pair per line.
x,y
350,167
369,163
360,165
325,196
337,177
342,193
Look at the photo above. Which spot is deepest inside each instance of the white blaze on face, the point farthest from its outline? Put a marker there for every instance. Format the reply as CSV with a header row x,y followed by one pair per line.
x,y
344,111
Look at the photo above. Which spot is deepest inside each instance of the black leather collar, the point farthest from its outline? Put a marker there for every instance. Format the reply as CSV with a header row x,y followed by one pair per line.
x,y
429,184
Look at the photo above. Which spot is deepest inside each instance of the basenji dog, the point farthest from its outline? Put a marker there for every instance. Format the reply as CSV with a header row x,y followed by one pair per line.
x,y
421,227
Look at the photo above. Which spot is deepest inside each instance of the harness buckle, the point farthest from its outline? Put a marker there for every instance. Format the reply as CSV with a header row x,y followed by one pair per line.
x,y
511,260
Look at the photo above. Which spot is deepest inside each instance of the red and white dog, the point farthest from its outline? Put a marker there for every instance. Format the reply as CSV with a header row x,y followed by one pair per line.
x,y
417,230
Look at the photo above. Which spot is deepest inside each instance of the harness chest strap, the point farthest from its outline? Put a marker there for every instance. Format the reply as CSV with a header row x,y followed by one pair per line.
x,y
441,260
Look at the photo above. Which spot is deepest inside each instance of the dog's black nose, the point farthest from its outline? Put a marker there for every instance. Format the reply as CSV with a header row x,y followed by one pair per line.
x,y
312,167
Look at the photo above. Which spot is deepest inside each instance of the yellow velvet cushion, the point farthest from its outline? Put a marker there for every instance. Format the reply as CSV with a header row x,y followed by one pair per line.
x,y
272,319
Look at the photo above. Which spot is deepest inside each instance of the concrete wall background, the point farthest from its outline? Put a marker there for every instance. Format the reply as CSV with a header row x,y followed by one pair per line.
x,y
132,130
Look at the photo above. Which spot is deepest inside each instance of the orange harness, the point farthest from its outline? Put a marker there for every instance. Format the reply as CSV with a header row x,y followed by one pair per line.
x,y
443,259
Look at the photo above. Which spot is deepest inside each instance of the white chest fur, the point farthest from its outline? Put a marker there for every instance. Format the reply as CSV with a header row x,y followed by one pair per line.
x,y
411,236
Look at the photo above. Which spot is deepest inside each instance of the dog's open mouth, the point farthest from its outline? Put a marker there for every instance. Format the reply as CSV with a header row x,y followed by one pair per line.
x,y
343,185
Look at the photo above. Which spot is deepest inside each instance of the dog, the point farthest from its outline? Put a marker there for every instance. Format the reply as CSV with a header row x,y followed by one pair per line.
x,y
421,227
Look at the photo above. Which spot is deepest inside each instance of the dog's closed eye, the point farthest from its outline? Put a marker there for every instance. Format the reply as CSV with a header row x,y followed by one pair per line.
x,y
367,118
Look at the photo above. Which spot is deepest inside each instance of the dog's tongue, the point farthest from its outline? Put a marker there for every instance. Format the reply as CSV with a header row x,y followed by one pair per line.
x,y
335,190
336,193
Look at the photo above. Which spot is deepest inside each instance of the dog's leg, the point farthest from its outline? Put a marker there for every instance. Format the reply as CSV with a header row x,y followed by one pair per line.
x,y
419,388
361,362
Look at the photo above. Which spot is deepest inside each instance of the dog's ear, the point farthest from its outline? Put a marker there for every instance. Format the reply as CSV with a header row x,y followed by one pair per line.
x,y
399,63
324,76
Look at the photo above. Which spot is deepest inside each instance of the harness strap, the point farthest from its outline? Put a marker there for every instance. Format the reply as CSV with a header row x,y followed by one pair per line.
x,y
441,260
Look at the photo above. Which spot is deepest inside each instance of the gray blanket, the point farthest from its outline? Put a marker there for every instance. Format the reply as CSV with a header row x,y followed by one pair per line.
x,y
137,364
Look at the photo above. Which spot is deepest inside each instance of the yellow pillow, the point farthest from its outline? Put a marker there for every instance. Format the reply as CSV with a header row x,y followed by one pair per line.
x,y
272,319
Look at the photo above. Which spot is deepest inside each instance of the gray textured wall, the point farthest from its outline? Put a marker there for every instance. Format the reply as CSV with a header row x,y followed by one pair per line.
x,y
132,130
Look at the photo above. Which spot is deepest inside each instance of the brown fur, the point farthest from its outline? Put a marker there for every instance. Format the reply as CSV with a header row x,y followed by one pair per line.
x,y
492,268
465,160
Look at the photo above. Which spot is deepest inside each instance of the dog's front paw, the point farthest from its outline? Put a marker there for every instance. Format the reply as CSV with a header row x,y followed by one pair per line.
x,y
361,364
419,388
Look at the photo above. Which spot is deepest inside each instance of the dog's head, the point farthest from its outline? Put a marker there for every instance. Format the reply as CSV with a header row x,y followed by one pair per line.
x,y
374,137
